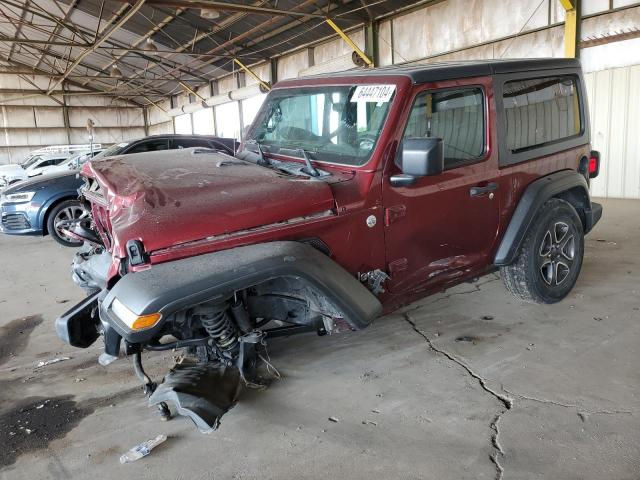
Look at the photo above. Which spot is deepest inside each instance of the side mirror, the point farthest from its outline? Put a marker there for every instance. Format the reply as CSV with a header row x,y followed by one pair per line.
x,y
419,157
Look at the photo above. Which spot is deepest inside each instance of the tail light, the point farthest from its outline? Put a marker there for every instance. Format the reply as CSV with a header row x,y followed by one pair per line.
x,y
594,164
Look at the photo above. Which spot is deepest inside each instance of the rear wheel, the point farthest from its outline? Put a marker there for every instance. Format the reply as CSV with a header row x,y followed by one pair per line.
x,y
64,216
550,257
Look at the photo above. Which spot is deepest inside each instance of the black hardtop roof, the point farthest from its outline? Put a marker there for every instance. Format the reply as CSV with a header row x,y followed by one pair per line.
x,y
430,72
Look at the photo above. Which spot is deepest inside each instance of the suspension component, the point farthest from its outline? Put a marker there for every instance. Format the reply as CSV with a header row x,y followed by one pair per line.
x,y
217,323
241,316
149,385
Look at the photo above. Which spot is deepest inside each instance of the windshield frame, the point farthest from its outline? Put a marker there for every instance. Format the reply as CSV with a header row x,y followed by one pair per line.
x,y
121,146
32,161
344,82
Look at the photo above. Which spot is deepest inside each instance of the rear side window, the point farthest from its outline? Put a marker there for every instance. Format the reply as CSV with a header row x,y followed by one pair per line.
x,y
189,142
454,115
149,146
541,111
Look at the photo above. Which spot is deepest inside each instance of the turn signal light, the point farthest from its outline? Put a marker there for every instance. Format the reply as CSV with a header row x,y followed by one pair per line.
x,y
146,321
131,319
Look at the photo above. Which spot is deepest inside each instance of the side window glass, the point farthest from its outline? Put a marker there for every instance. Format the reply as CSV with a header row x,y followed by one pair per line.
x,y
188,143
454,115
149,146
541,111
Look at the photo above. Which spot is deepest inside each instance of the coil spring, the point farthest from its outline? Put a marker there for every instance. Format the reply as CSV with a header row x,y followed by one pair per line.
x,y
218,325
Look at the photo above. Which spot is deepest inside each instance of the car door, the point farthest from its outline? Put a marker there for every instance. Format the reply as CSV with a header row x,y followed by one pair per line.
x,y
444,227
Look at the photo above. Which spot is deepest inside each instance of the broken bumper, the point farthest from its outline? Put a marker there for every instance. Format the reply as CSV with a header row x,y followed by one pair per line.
x,y
592,216
80,326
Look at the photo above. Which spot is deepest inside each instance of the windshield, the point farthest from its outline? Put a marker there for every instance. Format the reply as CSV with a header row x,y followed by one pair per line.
x,y
31,161
337,124
114,149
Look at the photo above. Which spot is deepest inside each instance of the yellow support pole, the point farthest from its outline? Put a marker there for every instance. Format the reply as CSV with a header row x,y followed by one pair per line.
x,y
154,104
570,27
350,42
190,90
265,86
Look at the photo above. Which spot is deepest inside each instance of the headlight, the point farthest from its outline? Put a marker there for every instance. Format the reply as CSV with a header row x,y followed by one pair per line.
x,y
17,197
133,321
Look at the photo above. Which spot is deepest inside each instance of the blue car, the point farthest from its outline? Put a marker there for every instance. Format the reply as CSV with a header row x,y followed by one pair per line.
x,y
43,205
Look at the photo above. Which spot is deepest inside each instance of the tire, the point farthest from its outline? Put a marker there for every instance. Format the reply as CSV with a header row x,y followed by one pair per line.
x,y
550,257
60,215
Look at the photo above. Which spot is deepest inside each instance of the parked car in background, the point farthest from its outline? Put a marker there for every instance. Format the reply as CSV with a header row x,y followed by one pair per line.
x,y
10,174
74,162
42,205
156,143
49,204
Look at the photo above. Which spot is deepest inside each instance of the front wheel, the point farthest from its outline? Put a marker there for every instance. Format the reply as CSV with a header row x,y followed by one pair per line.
x,y
64,216
550,257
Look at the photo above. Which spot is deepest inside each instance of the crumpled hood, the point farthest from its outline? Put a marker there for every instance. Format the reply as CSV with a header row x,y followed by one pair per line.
x,y
176,196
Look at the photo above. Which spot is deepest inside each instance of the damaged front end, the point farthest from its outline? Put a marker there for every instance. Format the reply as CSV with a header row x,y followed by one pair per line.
x,y
220,309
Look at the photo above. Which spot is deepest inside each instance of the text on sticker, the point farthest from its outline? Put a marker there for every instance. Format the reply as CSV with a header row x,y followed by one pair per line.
x,y
373,93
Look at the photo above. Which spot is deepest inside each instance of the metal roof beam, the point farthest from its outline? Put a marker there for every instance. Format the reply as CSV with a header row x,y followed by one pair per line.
x,y
27,41
103,38
233,7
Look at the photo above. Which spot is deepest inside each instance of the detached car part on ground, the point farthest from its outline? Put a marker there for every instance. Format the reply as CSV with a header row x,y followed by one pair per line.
x,y
354,194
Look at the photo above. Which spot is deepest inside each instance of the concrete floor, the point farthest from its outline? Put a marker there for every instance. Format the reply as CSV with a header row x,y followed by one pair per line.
x,y
466,384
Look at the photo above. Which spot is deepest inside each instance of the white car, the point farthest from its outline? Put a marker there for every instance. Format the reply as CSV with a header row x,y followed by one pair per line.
x,y
10,174
74,162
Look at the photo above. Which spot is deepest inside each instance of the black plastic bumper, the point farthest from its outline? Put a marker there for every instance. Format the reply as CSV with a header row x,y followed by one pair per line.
x,y
80,326
593,216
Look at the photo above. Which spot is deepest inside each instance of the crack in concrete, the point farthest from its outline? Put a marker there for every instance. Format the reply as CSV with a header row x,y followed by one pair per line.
x,y
505,401
567,405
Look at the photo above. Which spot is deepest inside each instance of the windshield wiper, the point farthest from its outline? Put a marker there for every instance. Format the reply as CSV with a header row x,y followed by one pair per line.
x,y
309,169
263,161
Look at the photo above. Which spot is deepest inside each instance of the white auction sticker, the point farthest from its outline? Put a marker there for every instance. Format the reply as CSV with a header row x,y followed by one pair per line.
x,y
373,93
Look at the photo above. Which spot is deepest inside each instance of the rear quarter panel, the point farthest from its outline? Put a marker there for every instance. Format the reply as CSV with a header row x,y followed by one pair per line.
x,y
517,172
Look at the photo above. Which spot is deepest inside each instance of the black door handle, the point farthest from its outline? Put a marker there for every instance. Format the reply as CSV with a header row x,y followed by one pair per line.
x,y
477,191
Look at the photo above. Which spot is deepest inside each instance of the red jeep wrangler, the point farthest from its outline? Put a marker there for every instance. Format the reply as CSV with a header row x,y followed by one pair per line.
x,y
352,194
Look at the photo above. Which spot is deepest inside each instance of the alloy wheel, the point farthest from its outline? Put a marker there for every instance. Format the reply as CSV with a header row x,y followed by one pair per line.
x,y
67,218
557,253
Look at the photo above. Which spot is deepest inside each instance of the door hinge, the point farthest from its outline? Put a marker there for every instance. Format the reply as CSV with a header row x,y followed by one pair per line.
x,y
391,214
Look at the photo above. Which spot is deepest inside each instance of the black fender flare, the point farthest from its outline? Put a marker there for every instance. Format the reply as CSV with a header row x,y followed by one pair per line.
x,y
565,183
169,287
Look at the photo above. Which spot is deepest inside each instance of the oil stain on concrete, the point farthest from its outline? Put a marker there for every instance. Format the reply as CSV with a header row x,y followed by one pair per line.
x,y
14,336
35,422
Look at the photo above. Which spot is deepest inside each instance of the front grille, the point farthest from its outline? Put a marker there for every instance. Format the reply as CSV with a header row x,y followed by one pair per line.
x,y
15,221
92,188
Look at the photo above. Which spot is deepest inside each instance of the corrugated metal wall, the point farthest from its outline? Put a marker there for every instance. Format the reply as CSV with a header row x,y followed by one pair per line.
x,y
614,104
